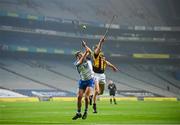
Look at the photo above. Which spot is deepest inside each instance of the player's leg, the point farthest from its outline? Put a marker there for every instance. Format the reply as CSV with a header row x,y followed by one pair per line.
x,y
114,99
101,87
89,86
99,91
91,96
79,100
79,104
96,86
102,82
91,92
96,92
87,92
110,98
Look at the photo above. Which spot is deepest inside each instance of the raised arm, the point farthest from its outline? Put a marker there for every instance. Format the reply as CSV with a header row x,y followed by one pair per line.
x,y
85,46
83,56
111,66
99,46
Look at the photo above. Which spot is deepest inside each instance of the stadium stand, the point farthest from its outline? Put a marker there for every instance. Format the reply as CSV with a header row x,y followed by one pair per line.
x,y
8,93
46,79
141,85
13,81
129,12
151,78
67,44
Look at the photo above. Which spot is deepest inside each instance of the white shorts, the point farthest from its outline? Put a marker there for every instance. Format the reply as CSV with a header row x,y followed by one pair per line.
x,y
100,78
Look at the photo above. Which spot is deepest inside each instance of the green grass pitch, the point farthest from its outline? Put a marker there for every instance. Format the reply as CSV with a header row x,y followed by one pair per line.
x,y
125,112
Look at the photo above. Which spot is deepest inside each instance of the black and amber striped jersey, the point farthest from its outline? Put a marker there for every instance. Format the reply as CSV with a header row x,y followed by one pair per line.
x,y
99,64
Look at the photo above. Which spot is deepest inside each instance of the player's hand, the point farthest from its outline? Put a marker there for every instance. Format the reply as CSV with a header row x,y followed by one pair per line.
x,y
87,49
102,39
115,69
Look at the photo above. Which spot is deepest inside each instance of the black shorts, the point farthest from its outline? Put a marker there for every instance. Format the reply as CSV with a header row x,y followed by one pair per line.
x,y
112,93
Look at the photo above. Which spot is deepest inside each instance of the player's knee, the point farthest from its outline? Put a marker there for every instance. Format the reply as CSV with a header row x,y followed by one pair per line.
x,y
80,97
96,91
86,96
101,92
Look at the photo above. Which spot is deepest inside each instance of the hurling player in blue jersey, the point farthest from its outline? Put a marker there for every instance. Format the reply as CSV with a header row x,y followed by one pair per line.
x,y
86,82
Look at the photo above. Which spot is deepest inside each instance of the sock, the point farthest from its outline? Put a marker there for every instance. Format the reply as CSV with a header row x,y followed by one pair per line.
x,y
94,106
86,110
91,96
79,111
111,101
114,101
